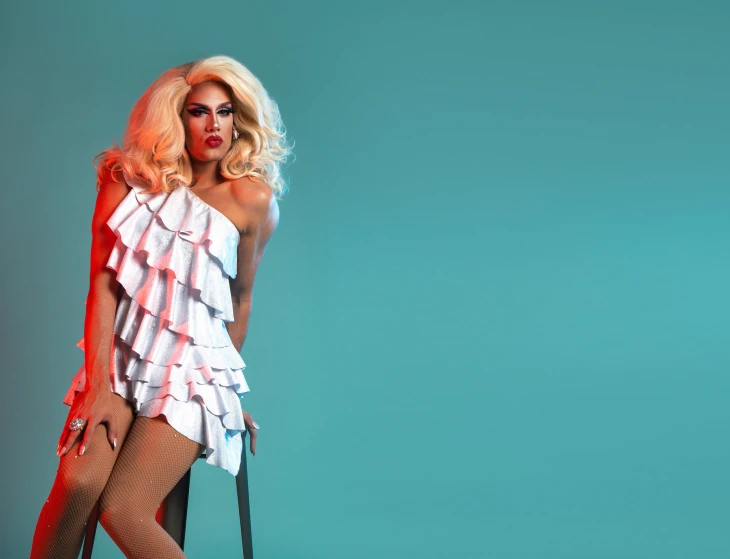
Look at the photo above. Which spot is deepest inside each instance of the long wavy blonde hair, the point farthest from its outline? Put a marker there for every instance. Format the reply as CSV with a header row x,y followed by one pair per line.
x,y
153,147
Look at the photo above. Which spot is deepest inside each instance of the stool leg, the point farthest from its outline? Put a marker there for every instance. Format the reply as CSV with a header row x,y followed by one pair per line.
x,y
90,532
244,509
174,510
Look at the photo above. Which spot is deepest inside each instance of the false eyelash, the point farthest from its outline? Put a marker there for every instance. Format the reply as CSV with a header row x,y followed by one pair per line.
x,y
202,111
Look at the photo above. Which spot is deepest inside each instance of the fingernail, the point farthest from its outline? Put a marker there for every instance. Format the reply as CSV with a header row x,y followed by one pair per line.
x,y
115,442
63,451
81,450
256,425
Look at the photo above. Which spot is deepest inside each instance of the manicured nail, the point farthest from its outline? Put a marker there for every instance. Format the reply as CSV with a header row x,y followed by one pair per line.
x,y
81,450
255,425
63,451
115,442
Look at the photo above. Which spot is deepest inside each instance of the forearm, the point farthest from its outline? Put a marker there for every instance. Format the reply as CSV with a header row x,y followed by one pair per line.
x,y
237,330
101,306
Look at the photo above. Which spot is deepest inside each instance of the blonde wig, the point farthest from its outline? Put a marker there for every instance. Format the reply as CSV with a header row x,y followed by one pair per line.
x,y
153,147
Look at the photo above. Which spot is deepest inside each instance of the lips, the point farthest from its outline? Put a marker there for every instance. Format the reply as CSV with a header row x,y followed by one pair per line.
x,y
214,141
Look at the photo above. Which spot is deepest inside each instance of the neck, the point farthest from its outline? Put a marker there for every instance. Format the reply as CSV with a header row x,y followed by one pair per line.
x,y
205,173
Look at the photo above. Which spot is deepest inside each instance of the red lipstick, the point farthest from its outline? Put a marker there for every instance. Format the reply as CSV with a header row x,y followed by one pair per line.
x,y
214,141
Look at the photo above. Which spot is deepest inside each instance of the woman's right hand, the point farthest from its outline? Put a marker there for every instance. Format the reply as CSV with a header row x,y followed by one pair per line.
x,y
94,407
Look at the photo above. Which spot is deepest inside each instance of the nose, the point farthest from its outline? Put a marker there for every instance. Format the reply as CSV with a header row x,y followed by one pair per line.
x,y
213,125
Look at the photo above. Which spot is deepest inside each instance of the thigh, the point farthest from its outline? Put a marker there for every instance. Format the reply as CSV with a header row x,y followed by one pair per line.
x,y
79,482
153,459
91,470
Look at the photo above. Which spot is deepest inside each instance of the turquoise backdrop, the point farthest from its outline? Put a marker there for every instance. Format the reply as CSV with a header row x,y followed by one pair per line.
x,y
493,321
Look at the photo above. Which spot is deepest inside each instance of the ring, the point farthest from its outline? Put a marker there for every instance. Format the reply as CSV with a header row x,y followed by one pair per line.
x,y
76,424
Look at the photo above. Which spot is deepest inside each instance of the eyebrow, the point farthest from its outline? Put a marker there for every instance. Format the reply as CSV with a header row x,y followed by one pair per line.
x,y
203,106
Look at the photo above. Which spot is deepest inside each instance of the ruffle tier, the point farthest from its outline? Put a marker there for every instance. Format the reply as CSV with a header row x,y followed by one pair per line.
x,y
172,354
180,212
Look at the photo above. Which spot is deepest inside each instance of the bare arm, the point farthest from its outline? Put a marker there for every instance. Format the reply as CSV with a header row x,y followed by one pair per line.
x,y
101,303
94,404
263,217
262,213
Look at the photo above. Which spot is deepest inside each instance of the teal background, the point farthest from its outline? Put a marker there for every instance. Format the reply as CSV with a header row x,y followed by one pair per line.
x,y
493,320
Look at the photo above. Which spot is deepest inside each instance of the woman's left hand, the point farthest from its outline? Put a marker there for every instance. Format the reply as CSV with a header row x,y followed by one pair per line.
x,y
252,428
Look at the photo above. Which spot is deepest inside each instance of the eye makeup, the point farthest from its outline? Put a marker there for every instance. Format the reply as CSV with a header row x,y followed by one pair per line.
x,y
197,109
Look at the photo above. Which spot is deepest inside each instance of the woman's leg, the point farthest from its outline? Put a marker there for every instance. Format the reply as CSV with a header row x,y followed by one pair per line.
x,y
78,484
153,460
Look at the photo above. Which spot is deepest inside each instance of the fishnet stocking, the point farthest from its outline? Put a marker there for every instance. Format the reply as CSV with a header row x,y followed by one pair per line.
x,y
130,483
78,484
153,459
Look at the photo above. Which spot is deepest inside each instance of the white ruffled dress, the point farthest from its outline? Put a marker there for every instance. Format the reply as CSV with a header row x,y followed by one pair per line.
x,y
172,355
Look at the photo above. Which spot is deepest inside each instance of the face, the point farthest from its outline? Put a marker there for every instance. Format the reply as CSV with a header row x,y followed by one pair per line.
x,y
208,119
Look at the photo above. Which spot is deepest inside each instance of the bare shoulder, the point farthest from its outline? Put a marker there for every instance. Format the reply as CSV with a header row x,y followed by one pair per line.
x,y
110,194
113,189
253,192
258,202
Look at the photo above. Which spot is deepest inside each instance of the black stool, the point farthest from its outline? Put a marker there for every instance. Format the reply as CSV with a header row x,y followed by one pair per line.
x,y
173,513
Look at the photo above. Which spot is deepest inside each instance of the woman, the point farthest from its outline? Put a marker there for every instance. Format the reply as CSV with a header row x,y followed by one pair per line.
x,y
183,214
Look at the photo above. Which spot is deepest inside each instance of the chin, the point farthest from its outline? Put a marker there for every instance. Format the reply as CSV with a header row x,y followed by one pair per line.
x,y
211,154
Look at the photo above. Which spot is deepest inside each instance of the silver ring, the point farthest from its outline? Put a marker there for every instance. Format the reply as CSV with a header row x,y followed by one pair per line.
x,y
76,424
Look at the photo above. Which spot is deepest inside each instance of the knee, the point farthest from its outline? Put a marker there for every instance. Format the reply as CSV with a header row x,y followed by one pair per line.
x,y
117,510
117,518
111,516
81,487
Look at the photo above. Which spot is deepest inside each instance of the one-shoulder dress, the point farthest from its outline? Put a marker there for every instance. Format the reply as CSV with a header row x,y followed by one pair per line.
x,y
171,352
